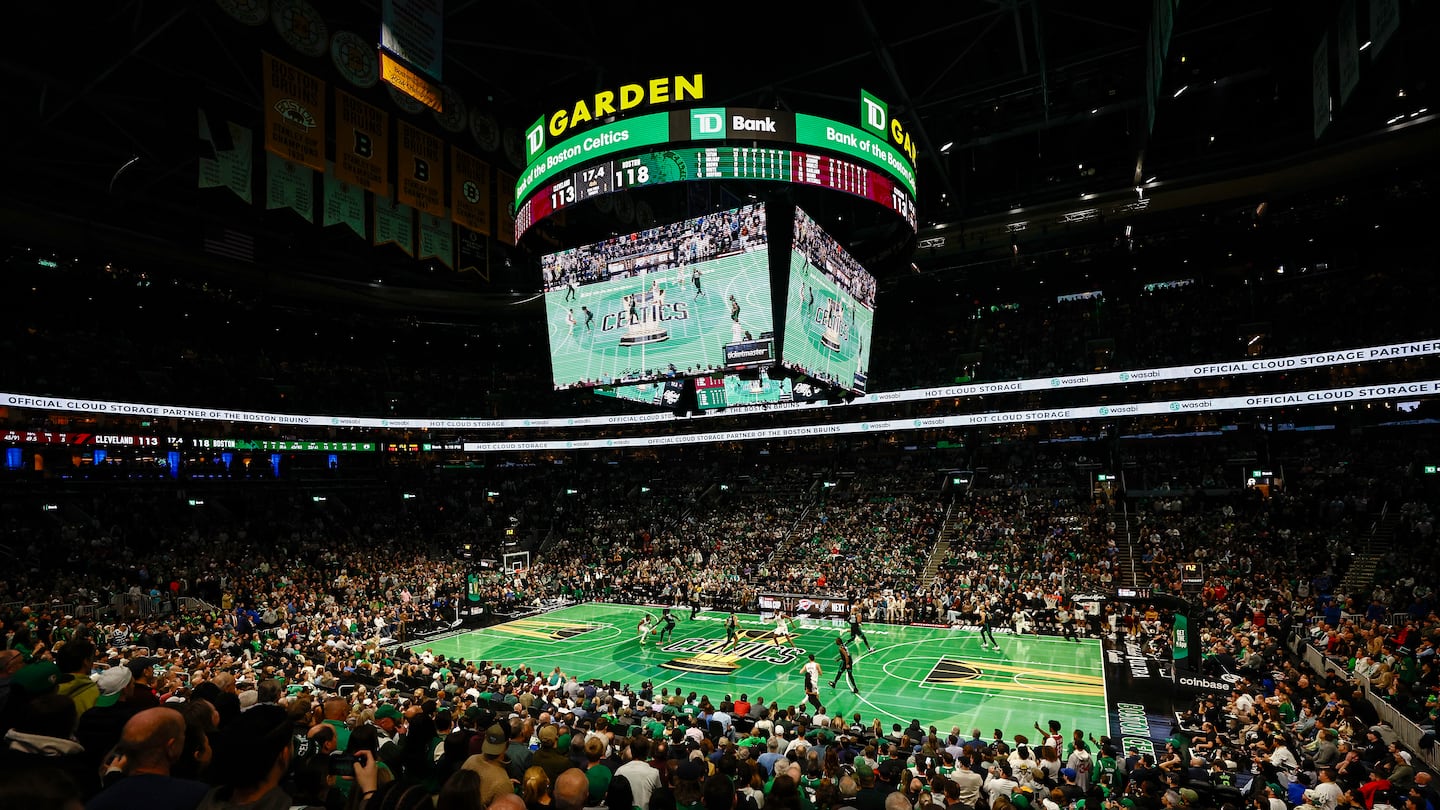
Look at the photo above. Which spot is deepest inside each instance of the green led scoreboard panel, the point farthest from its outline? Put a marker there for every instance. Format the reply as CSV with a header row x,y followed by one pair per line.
x,y
700,144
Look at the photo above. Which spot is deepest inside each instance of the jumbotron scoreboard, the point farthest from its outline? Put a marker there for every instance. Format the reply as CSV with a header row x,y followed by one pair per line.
x,y
715,163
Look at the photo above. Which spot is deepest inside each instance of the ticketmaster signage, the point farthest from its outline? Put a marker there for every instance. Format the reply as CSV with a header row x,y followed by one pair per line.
x,y
1331,396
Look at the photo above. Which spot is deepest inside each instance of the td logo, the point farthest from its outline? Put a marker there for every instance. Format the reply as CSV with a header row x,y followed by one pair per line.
x,y
707,122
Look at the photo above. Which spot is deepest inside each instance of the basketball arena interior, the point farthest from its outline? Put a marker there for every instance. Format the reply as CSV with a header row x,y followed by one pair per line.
x,y
815,406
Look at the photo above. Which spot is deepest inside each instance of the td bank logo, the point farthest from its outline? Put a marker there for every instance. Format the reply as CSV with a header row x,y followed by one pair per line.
x,y
707,123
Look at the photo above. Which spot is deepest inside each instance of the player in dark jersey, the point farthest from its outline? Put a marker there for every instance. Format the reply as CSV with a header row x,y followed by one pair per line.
x,y
847,666
732,631
669,624
855,630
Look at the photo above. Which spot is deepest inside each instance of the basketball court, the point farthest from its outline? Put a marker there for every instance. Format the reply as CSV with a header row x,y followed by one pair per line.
x,y
939,676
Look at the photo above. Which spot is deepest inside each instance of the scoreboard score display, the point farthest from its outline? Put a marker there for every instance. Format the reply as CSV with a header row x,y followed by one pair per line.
x,y
714,163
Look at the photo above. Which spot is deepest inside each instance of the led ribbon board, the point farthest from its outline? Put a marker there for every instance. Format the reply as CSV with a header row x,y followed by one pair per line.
x,y
713,163
568,160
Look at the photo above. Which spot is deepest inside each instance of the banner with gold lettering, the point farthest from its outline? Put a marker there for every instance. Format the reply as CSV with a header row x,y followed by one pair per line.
x,y
344,204
504,207
362,144
421,168
470,190
294,113
230,168
290,186
394,224
437,239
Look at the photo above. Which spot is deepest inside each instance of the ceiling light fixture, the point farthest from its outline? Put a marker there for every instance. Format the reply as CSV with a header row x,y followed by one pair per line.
x,y
1182,89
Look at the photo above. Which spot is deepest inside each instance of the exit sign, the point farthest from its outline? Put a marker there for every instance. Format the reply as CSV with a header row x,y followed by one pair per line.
x,y
1431,469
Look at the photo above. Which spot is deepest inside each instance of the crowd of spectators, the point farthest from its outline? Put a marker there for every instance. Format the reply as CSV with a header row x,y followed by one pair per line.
x,y
297,604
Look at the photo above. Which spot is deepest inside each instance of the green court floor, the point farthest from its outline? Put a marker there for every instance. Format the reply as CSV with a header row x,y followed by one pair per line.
x,y
939,676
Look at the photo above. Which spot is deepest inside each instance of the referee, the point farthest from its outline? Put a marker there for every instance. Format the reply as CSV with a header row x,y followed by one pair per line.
x,y
847,666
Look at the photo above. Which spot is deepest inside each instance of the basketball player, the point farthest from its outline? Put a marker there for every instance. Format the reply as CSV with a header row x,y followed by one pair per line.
x,y
571,285
695,279
570,319
589,317
782,630
734,310
812,681
644,628
847,666
669,619
856,631
732,632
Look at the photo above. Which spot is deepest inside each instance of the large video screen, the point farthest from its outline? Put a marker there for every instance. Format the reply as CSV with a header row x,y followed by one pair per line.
x,y
731,391
685,299
829,310
665,393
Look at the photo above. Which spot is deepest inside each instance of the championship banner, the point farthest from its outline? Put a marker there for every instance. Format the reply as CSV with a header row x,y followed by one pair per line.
x,y
290,186
505,205
294,114
421,168
344,204
437,239
473,254
230,168
470,191
394,224
362,144
414,31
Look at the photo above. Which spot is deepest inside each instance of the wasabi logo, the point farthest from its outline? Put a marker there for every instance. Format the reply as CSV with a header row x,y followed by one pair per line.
x,y
864,425
1054,382
707,122
1104,411
334,420
918,423
1174,406
1124,376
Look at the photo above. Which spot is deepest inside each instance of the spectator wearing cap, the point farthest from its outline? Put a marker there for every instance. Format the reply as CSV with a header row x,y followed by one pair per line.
x,y
152,740
871,795
1068,785
99,728
252,754
490,762
548,757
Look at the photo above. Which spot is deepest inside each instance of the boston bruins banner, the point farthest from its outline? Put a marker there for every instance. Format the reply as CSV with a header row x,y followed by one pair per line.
x,y
420,165
362,144
294,113
470,191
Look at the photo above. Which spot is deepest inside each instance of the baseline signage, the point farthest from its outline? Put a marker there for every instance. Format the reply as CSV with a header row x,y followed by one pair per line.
x,y
802,606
